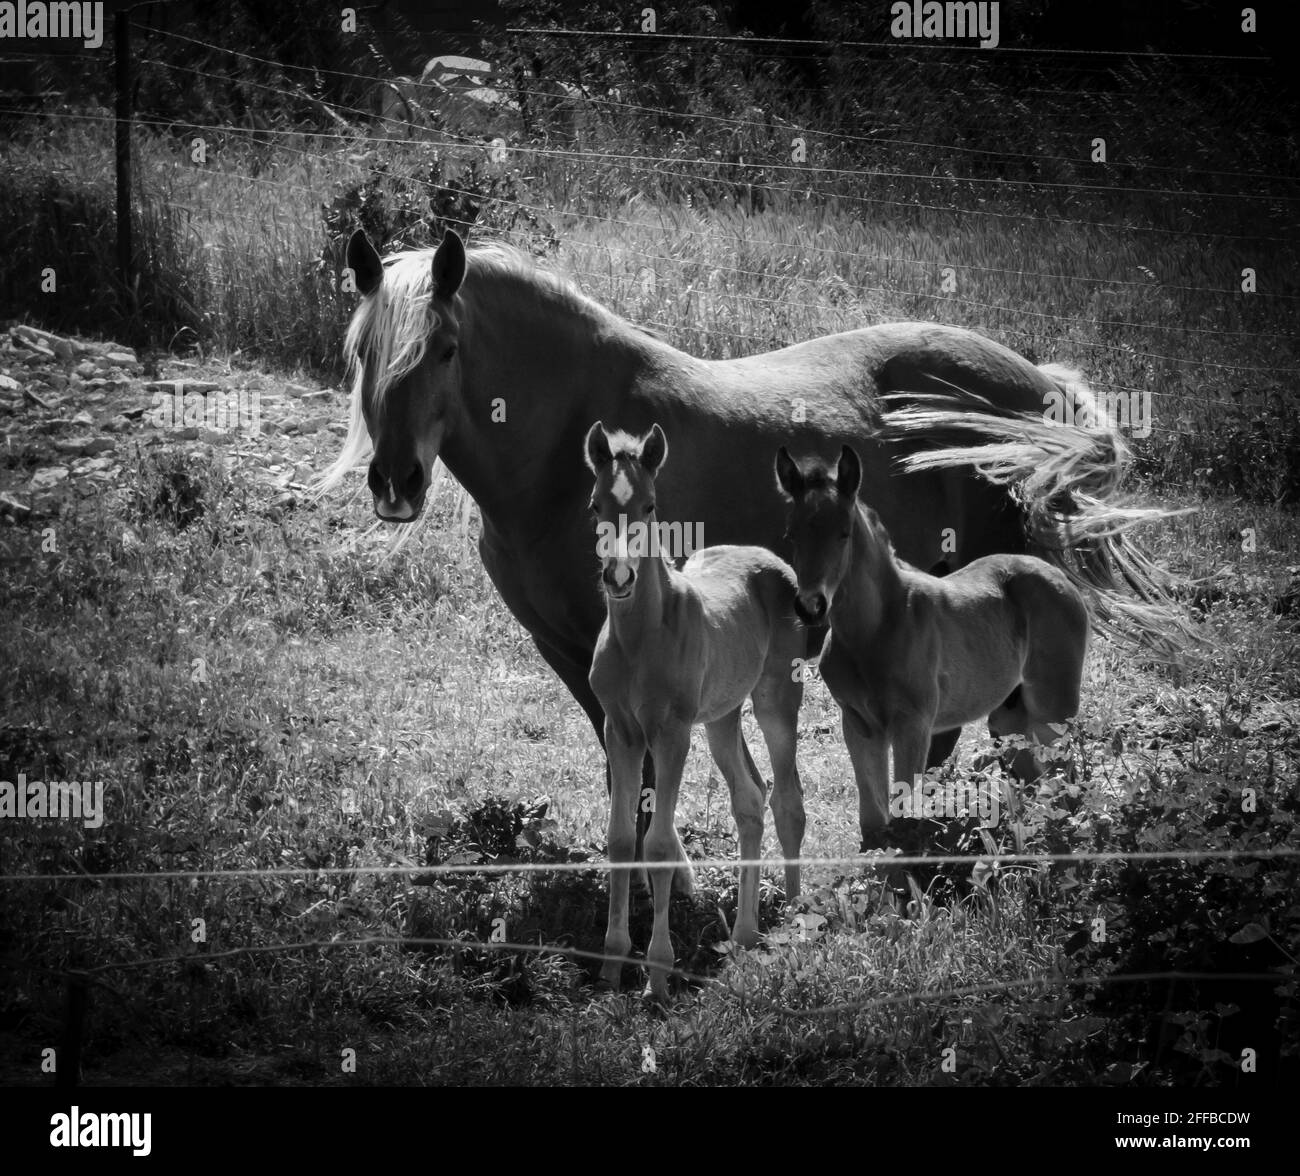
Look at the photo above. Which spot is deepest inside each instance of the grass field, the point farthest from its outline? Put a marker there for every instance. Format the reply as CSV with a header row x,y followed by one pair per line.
x,y
264,684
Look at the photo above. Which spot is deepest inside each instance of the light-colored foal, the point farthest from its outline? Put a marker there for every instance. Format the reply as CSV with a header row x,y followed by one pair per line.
x,y
911,655
677,649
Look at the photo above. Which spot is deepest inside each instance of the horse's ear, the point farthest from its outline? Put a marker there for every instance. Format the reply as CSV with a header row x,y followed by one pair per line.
x,y
848,475
597,448
364,262
654,450
448,267
788,477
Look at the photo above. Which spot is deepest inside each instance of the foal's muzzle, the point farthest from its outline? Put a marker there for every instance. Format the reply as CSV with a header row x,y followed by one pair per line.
x,y
810,607
609,578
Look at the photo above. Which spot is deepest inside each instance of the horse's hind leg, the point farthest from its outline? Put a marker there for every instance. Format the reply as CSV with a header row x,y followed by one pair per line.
x,y
727,745
1047,697
776,709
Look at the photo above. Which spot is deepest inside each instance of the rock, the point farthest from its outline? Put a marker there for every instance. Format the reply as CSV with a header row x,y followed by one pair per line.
x,y
85,369
11,506
121,358
189,433
83,418
169,387
74,445
8,384
338,428
47,477
56,380
313,424
61,348
95,466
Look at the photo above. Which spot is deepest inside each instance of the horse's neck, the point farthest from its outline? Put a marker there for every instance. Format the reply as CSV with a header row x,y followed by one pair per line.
x,y
535,368
872,587
640,622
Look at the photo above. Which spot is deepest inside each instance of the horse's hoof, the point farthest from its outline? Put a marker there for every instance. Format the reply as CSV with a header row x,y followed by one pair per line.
x,y
746,938
873,839
655,1002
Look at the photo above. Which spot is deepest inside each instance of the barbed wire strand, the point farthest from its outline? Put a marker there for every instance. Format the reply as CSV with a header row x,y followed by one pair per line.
x,y
663,111
994,860
910,205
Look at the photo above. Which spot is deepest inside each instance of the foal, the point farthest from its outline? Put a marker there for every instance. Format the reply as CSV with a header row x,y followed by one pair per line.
x,y
677,649
911,655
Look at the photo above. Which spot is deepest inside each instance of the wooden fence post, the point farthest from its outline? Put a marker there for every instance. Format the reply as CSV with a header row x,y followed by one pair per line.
x,y
122,70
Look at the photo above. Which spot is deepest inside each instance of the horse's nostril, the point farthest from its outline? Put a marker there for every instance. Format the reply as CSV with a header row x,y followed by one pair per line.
x,y
812,610
375,481
414,482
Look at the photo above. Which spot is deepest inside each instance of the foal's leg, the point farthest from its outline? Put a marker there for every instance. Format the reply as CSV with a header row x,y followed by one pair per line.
x,y
869,753
663,848
776,710
625,752
727,745
910,737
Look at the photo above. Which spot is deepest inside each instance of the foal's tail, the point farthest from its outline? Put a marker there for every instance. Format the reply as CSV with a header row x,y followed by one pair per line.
x,y
1067,480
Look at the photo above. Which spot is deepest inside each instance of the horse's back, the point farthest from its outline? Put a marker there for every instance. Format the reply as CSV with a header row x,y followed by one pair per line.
x,y
893,357
727,576
1038,591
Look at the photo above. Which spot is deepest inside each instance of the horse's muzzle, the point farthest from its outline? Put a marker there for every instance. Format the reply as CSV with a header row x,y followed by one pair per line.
x,y
397,500
810,607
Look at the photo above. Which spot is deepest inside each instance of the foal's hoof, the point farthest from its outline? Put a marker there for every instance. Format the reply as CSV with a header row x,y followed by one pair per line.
x,y
656,1001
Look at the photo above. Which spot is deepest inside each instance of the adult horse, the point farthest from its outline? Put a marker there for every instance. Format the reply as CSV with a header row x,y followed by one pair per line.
x,y
498,367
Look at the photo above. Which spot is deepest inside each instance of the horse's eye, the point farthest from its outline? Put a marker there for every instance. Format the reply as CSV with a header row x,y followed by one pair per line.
x,y
449,354
846,534
650,508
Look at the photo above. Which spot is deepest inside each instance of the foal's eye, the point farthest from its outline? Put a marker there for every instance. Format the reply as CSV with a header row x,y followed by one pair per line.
x,y
650,508
846,533
449,354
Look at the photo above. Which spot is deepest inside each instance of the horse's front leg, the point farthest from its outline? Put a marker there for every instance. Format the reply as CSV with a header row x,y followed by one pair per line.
x,y
663,849
625,750
909,736
869,754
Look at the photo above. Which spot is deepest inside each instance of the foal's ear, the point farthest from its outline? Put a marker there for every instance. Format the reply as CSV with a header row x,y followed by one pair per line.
x,y
788,477
848,474
654,450
597,448
448,267
363,261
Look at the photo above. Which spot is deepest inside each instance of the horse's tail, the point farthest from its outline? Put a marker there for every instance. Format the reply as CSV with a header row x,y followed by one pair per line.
x,y
1065,467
